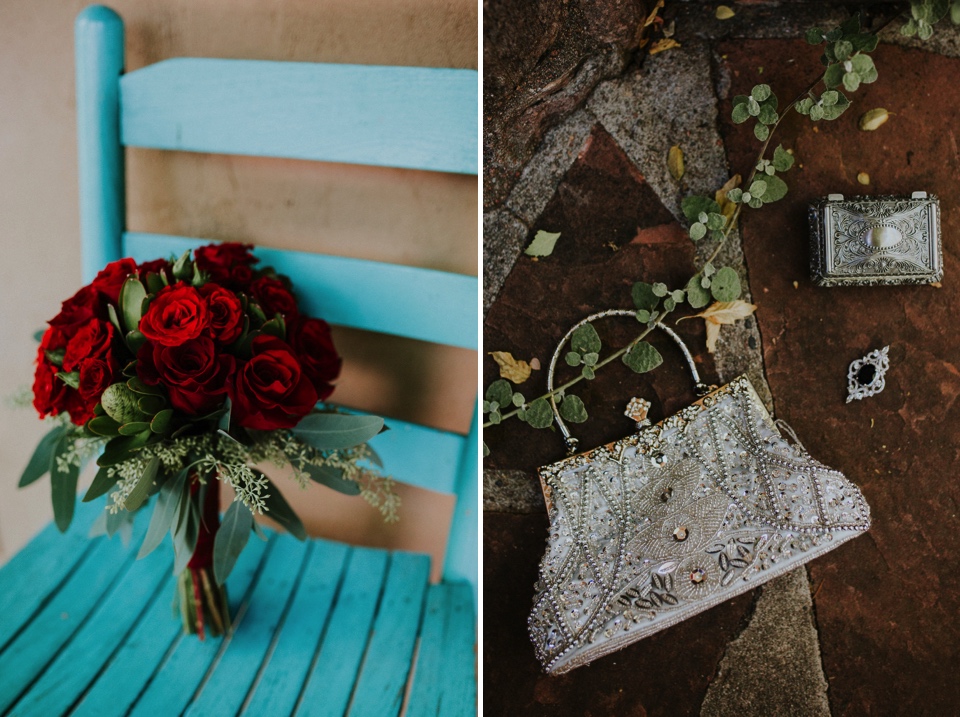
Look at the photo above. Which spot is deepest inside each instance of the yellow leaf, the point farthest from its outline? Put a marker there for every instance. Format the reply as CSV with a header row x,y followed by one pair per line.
x,y
653,14
871,120
724,12
863,178
675,162
720,313
666,43
728,208
510,368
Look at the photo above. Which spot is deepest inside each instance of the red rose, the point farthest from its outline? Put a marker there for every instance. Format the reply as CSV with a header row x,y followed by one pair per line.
x,y
271,390
95,376
49,392
226,262
177,314
110,279
313,343
92,340
226,314
274,297
152,267
86,304
79,408
193,373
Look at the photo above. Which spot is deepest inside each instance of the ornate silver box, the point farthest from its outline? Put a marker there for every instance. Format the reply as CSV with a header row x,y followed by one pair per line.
x,y
875,240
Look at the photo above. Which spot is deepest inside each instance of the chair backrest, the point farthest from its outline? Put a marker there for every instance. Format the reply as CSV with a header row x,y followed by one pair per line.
x,y
416,118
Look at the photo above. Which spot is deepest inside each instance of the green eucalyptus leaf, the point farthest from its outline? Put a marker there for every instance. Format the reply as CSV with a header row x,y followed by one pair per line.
x,y
864,42
231,539
739,114
42,457
851,25
782,159
162,421
518,400
814,36
816,113
573,358
695,205
955,12
643,316
102,483
63,486
803,107
697,296
333,431
591,359
760,92
735,194
572,409
499,391
755,203
588,373
539,414
144,484
185,536
643,296
669,304
164,513
770,102
642,357
72,379
833,77
279,511
753,107
834,34
842,49
660,289
829,97
332,478
761,131
585,339
725,286
768,115
103,426
697,231
776,190
677,295
132,428
851,81
864,68
835,110
758,187
132,295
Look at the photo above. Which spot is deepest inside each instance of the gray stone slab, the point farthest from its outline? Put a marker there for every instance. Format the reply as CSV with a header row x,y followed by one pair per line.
x,y
511,491
503,237
773,667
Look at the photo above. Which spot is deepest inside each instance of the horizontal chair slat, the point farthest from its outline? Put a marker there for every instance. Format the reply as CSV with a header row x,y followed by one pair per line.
x,y
410,117
423,304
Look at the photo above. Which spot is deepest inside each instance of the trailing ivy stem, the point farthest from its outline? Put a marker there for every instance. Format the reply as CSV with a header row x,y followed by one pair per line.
x,y
574,381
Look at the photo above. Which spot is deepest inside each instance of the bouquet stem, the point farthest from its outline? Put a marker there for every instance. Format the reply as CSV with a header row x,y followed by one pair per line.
x,y
203,603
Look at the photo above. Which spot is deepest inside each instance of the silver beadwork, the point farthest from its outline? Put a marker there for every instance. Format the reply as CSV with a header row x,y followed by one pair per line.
x,y
865,377
636,547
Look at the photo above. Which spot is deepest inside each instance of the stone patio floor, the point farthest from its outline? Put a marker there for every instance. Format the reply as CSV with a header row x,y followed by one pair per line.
x,y
872,628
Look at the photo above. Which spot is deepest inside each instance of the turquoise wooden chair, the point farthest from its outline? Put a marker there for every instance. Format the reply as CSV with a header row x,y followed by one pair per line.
x,y
321,628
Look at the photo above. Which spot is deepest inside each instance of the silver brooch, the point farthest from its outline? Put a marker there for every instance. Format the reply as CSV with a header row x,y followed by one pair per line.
x,y
865,377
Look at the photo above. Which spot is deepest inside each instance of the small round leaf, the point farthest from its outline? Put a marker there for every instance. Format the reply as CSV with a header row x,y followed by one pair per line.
x,y
725,285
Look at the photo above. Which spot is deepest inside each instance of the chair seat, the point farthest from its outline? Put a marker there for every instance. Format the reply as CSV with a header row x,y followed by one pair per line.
x,y
319,628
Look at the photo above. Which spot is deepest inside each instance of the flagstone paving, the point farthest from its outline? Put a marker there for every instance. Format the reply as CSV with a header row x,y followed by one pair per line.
x,y
881,635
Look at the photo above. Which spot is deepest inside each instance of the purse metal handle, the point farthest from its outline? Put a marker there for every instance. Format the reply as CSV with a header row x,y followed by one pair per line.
x,y
571,442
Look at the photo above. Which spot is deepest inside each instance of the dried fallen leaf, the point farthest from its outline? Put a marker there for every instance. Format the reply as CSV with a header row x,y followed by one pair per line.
x,y
535,363
542,244
936,284
666,43
727,208
871,120
720,313
863,178
510,368
724,12
653,14
675,162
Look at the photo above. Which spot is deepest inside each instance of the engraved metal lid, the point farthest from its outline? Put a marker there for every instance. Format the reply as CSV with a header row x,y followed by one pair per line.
x,y
875,240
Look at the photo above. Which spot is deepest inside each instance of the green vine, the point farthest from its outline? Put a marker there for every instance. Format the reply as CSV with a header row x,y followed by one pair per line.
x,y
848,65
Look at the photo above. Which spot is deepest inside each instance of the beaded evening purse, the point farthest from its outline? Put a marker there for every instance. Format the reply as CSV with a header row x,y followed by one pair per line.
x,y
676,518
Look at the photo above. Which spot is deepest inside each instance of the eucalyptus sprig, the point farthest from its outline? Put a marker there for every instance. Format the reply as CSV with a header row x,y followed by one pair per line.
x,y
848,65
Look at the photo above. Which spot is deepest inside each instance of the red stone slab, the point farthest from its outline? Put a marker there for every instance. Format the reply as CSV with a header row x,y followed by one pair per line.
x,y
615,231
888,603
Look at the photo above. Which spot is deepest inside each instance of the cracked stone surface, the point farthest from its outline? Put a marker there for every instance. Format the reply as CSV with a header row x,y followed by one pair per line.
x,y
886,603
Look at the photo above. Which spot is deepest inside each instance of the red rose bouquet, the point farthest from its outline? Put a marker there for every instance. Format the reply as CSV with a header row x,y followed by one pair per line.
x,y
180,375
